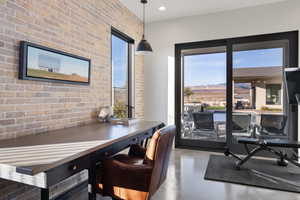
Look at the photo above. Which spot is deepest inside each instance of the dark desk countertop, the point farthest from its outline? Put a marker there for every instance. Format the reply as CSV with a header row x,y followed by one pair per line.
x,y
42,152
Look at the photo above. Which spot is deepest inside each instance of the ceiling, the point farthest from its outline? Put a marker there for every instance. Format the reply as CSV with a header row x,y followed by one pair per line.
x,y
182,8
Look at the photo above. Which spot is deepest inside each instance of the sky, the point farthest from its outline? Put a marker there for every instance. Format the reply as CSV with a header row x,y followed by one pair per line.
x,y
68,65
210,69
119,62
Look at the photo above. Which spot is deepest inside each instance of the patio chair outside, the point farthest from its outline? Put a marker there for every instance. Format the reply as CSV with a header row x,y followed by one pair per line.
x,y
189,113
187,125
189,110
241,125
204,123
272,126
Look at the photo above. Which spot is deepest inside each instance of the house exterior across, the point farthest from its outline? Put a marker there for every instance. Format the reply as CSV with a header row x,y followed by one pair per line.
x,y
266,88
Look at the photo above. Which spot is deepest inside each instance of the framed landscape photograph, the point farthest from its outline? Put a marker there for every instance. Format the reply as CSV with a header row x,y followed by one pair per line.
x,y
46,64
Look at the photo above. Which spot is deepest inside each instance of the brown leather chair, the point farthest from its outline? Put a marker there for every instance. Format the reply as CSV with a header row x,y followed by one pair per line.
x,y
138,175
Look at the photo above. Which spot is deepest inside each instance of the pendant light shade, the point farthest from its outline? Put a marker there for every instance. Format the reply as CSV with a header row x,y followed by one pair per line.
x,y
144,46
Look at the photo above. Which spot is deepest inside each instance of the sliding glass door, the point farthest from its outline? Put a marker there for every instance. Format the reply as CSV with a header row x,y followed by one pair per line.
x,y
231,88
204,95
259,99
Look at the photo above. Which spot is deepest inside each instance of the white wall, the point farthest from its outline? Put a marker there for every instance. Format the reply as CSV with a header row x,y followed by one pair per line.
x,y
163,35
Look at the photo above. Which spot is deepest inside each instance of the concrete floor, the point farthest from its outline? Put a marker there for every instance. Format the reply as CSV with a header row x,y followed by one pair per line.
x,y
185,181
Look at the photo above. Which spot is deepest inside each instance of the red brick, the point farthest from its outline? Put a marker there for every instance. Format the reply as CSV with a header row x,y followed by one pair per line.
x,y
33,125
14,128
14,87
6,122
15,114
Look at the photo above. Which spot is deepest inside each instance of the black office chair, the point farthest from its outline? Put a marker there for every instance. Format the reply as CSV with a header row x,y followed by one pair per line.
x,y
272,126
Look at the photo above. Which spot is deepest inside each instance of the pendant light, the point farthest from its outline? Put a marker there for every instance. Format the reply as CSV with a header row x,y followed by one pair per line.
x,y
144,46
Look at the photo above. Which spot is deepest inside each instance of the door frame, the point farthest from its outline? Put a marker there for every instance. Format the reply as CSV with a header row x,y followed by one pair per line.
x,y
291,36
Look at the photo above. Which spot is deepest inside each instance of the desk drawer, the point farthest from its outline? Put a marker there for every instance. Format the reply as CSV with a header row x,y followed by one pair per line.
x,y
145,135
115,148
69,169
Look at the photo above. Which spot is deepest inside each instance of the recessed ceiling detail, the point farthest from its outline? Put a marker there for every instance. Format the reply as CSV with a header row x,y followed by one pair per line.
x,y
182,8
162,8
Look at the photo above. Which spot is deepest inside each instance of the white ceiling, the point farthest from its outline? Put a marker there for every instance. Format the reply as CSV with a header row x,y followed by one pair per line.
x,y
182,8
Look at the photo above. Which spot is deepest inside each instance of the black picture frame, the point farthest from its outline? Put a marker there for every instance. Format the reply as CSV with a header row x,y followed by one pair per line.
x,y
23,64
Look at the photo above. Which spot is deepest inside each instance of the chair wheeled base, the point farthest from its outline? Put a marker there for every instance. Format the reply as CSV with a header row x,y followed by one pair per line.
x,y
265,145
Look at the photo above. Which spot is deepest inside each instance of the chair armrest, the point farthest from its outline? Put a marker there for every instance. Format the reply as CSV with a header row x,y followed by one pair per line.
x,y
137,150
136,177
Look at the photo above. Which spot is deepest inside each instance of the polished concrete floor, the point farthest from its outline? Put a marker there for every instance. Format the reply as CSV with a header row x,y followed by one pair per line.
x,y
185,181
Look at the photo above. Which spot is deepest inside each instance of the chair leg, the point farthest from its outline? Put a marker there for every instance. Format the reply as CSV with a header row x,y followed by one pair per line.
x,y
45,194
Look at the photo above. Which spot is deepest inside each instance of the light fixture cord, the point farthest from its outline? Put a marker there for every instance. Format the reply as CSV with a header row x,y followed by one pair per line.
x,y
144,13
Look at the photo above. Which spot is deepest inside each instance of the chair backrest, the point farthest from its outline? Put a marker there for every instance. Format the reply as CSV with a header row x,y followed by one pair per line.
x,y
204,120
273,123
241,122
158,154
190,114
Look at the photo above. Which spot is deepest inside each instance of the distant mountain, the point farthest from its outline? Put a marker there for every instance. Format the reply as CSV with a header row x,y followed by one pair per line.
x,y
243,85
220,85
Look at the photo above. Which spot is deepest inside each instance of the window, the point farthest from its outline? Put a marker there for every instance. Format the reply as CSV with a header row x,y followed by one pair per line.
x,y
273,94
256,58
258,76
121,58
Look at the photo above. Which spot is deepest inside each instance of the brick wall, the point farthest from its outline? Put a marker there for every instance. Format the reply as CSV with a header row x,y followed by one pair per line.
x,y
80,27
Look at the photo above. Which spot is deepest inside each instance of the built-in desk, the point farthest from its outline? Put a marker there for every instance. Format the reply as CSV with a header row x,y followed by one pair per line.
x,y
46,159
